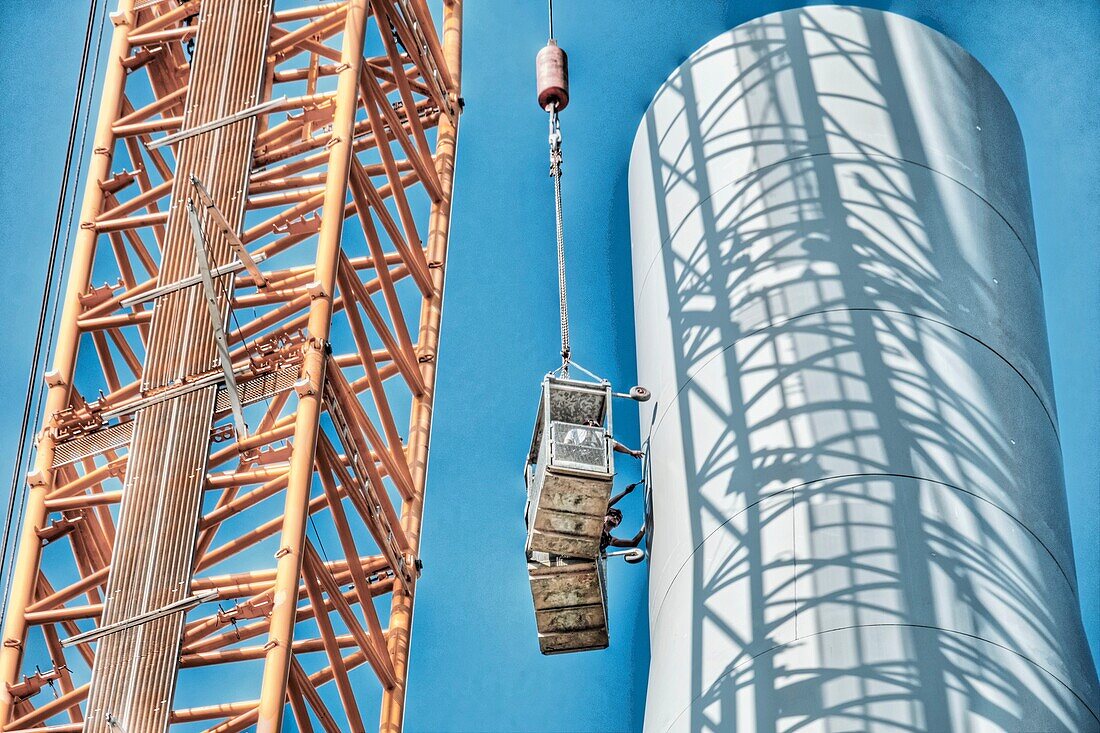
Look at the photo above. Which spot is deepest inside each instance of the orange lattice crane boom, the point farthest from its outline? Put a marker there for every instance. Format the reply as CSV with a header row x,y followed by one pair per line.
x,y
269,190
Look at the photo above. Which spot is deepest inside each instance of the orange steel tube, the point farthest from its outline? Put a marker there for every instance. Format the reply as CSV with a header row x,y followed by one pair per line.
x,y
393,701
211,712
334,654
144,127
190,7
310,30
131,222
53,707
342,606
171,34
278,660
356,570
241,654
310,11
24,572
315,180
449,67
63,595
160,104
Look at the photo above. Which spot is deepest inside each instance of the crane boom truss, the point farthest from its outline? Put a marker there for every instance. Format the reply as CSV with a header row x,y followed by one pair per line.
x,y
256,191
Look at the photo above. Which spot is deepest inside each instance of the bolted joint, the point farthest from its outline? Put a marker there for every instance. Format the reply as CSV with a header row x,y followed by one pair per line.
x,y
306,385
313,367
316,345
58,528
121,18
37,479
253,608
33,684
316,290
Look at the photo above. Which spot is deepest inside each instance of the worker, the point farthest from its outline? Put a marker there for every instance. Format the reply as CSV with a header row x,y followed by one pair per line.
x,y
583,437
576,435
620,448
613,519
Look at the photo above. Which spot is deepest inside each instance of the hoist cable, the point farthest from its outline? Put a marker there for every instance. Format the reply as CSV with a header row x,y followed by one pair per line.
x,y
48,307
555,173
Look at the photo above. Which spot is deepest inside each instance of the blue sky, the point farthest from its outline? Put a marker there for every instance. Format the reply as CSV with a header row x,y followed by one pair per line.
x,y
475,664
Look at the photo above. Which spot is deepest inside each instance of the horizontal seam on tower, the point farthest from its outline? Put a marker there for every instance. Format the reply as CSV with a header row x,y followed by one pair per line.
x,y
837,477
975,637
859,309
792,159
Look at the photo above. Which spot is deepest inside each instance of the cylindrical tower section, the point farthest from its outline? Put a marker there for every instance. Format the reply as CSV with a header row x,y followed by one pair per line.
x,y
858,508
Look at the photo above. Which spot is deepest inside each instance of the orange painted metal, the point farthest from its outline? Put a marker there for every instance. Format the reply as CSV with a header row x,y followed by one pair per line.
x,y
142,492
401,612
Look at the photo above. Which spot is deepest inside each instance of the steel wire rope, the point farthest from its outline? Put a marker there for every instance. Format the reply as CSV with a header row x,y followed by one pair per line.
x,y
222,284
267,400
555,173
559,228
48,309
225,292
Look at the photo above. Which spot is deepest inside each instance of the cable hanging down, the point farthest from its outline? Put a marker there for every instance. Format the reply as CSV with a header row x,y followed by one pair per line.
x,y
51,289
552,74
555,173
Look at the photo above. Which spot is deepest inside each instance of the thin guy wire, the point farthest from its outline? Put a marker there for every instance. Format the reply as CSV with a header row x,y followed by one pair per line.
x,y
33,403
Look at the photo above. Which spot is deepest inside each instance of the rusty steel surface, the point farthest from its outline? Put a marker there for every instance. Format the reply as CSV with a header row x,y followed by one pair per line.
x,y
159,539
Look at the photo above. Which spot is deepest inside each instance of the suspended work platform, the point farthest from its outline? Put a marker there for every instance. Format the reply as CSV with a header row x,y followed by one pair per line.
x,y
569,468
570,598
569,473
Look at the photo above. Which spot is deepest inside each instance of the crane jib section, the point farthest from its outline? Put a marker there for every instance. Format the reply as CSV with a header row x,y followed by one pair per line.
x,y
135,668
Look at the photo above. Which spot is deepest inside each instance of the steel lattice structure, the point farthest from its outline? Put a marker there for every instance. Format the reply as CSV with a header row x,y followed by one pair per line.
x,y
267,316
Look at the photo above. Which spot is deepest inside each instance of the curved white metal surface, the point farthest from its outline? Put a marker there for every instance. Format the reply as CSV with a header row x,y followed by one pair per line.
x,y
858,505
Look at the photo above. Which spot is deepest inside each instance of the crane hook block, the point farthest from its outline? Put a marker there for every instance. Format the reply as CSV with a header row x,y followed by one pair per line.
x,y
552,74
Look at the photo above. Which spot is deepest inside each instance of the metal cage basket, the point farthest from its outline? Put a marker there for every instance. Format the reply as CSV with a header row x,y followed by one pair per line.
x,y
569,468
